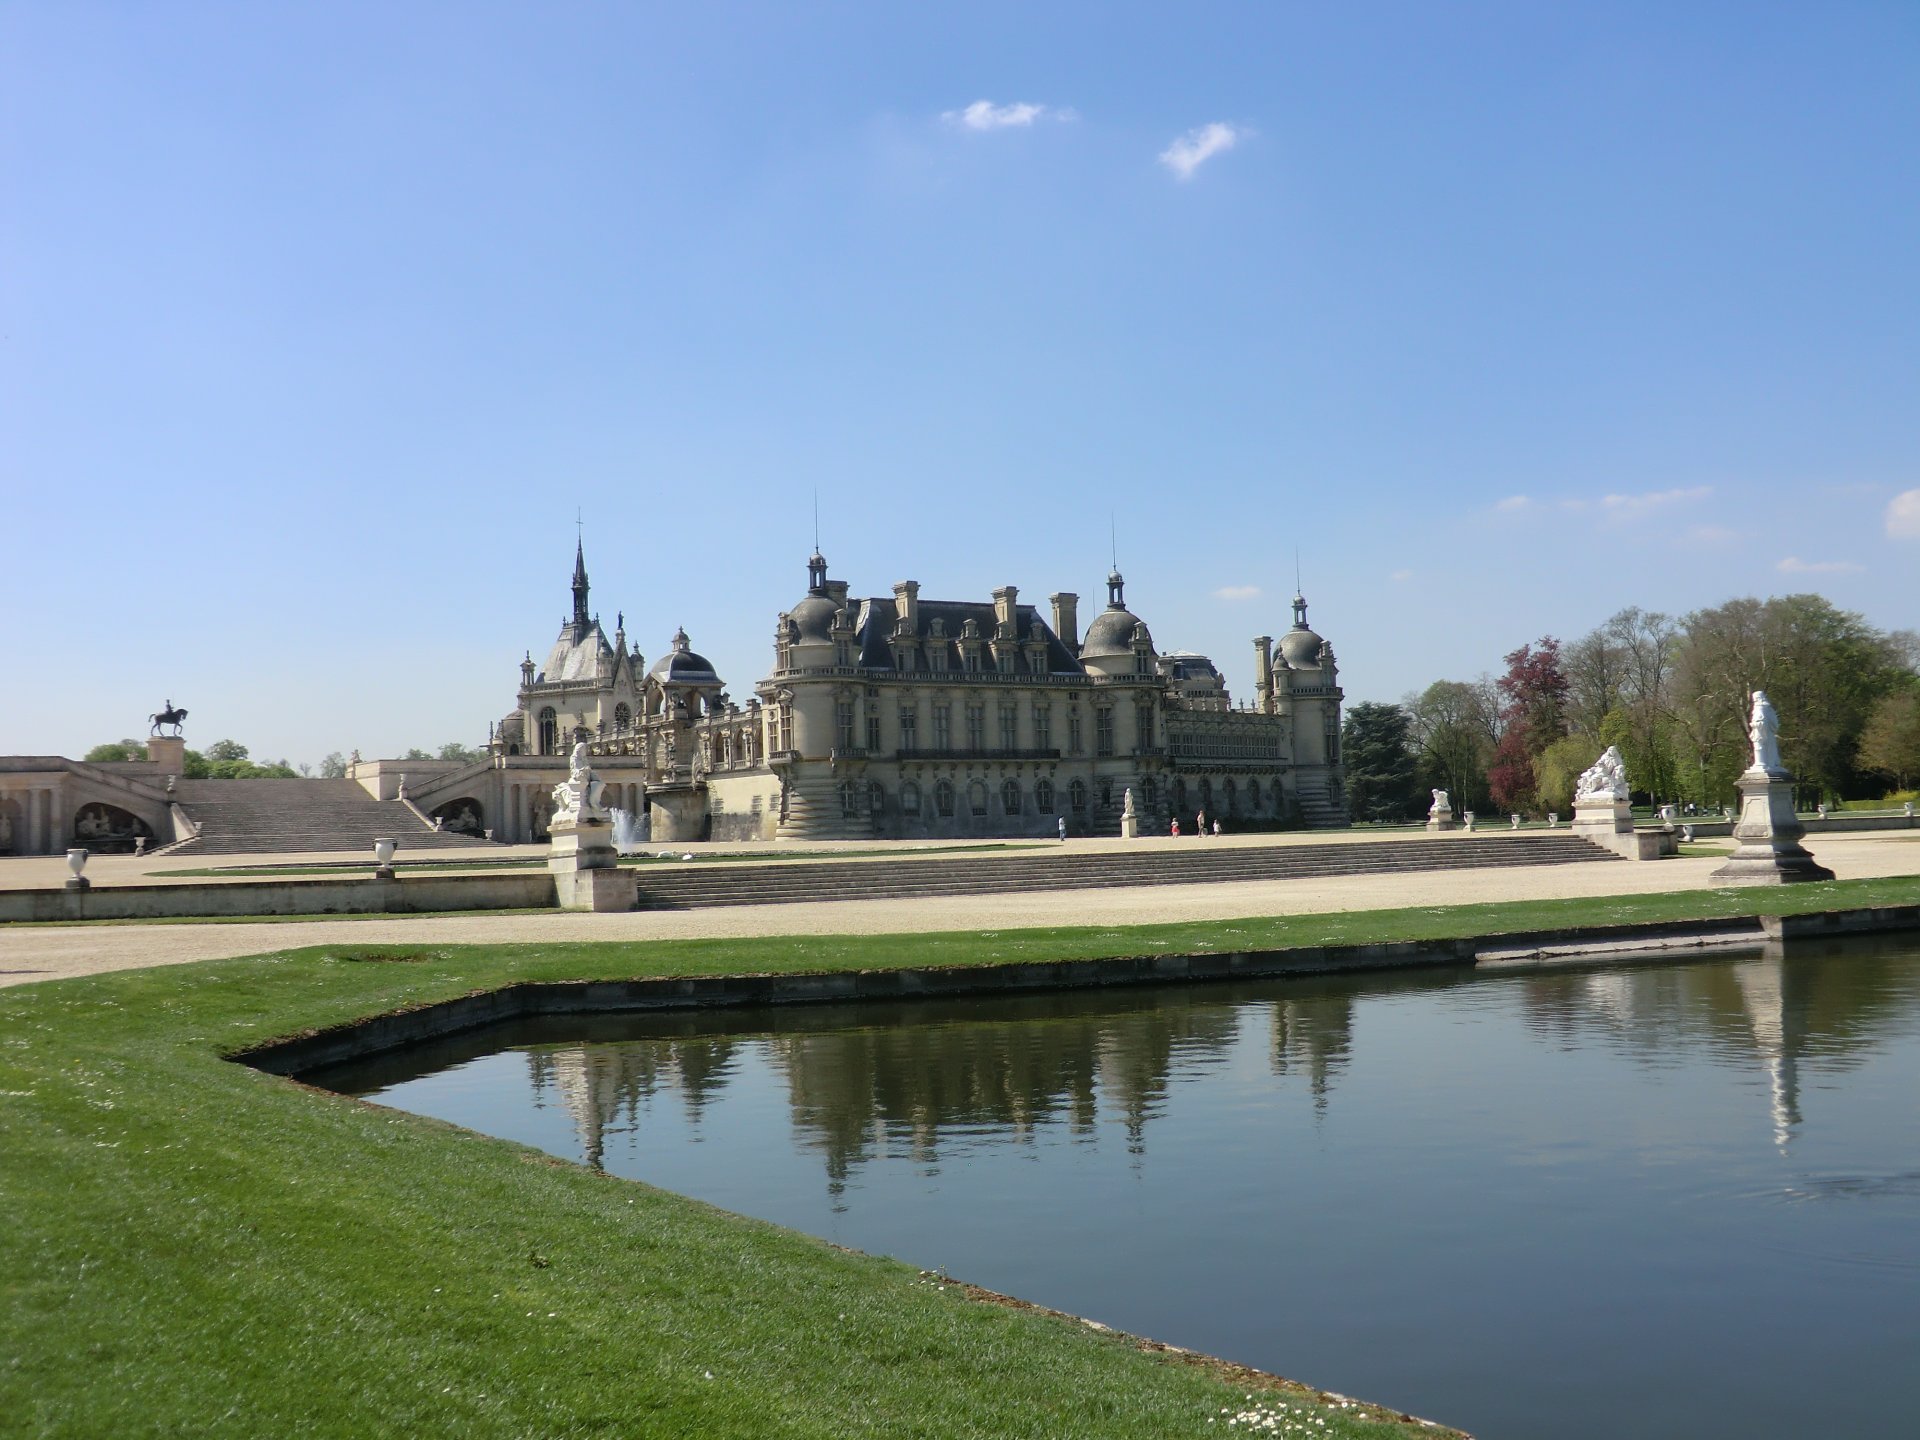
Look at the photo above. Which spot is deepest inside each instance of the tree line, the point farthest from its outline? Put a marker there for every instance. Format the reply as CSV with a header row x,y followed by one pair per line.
x,y
230,760
1673,694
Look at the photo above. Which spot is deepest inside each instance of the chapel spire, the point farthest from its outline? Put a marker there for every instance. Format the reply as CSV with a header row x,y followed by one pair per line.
x,y
581,619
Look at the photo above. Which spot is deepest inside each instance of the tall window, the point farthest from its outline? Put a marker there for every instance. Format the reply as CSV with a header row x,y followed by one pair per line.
x,y
1103,730
1074,743
873,726
909,727
786,725
843,724
876,798
1253,796
1106,794
976,726
977,797
1143,721
1043,727
1010,797
943,799
943,728
1009,728
549,732
1077,796
910,798
1150,792
849,799
1043,797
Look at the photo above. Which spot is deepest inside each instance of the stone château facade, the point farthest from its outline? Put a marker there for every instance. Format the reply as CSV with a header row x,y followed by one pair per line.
x,y
897,717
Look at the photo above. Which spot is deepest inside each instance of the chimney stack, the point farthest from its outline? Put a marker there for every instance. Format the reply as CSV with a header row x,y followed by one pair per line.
x,y
1004,597
906,600
1066,620
1263,671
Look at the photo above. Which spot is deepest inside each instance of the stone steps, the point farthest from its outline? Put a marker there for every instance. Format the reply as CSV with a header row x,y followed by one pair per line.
x,y
702,886
256,817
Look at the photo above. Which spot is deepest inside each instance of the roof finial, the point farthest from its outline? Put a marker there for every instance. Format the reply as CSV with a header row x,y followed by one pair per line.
x,y
1113,539
816,519
1296,571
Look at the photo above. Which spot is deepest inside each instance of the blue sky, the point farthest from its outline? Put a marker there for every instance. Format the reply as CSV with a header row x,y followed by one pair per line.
x,y
318,323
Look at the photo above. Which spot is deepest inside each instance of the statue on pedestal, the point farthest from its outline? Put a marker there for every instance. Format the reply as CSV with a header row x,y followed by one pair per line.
x,y
168,716
578,797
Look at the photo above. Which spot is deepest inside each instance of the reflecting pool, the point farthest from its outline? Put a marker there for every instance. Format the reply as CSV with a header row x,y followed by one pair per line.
x,y
1656,1199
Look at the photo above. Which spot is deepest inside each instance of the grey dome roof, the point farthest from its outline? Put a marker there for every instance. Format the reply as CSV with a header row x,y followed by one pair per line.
x,y
813,618
1111,633
681,666
1300,648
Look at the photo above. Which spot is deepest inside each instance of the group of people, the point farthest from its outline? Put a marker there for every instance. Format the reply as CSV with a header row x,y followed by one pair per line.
x,y
1199,826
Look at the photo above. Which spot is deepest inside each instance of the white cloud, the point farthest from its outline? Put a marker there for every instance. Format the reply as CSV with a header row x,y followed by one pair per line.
x,y
1714,535
1197,146
1401,575
985,115
1237,592
1634,507
1515,502
1794,565
1903,516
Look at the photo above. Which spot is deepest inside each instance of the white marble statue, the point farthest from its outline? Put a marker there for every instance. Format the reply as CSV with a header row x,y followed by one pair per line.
x,y
1764,729
1127,809
1605,779
1440,802
578,797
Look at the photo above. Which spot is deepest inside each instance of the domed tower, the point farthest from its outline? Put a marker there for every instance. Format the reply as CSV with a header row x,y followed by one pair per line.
x,y
807,629
1300,646
1118,641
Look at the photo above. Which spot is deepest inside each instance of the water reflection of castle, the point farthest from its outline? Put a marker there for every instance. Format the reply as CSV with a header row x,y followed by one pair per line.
x,y
1003,1072
859,1092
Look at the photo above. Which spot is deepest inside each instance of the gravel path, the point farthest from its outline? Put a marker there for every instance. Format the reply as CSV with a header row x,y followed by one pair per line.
x,y
46,952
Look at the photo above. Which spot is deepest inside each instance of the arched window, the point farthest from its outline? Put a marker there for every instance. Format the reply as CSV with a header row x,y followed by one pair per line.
x,y
549,732
622,716
1043,797
1106,794
943,799
876,798
977,797
1231,796
1253,796
1077,796
849,799
1010,797
910,798
1179,793
1206,792
1150,792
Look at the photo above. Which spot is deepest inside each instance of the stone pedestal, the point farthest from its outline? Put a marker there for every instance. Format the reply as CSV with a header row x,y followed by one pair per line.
x,y
1601,815
168,753
1440,819
1129,827
585,866
1770,851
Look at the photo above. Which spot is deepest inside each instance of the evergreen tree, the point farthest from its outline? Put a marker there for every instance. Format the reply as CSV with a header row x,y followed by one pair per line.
x,y
1377,748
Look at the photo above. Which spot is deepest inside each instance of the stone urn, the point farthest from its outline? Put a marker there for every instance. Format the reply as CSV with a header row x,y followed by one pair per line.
x,y
77,862
383,849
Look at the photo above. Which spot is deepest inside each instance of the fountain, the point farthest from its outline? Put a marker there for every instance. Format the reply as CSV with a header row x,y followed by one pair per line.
x,y
630,831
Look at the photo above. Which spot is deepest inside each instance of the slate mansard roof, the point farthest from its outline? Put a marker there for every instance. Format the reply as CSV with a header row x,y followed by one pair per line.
x,y
874,624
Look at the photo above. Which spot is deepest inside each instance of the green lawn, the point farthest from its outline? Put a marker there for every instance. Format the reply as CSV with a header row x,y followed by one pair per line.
x,y
193,1248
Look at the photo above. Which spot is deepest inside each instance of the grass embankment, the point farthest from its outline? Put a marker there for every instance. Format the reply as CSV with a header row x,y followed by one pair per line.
x,y
192,1247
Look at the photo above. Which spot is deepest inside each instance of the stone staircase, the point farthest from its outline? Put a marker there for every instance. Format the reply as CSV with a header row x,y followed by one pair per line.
x,y
697,886
1318,810
813,808
255,817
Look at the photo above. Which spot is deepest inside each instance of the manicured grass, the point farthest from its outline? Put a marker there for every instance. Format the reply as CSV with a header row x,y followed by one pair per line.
x,y
194,1248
